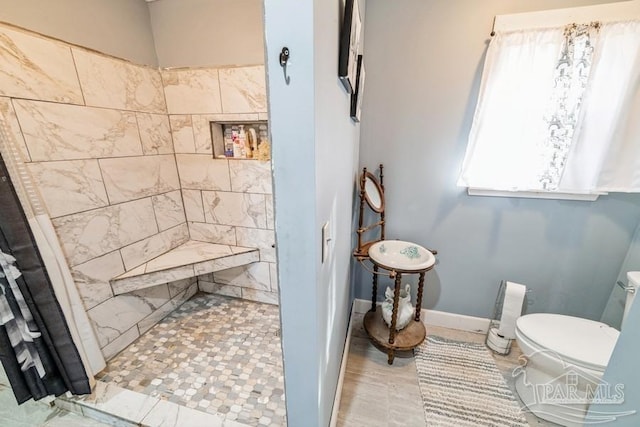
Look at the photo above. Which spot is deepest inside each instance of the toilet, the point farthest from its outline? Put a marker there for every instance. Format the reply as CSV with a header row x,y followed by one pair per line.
x,y
565,358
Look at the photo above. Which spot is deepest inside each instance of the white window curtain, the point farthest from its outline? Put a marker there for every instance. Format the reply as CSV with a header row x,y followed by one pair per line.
x,y
558,111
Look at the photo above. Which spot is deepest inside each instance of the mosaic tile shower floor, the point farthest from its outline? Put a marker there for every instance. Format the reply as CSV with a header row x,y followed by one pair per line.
x,y
215,354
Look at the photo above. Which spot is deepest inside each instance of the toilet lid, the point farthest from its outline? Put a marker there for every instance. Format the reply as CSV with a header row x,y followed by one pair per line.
x,y
581,341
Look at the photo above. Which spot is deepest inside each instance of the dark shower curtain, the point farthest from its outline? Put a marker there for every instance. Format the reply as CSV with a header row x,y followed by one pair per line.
x,y
36,348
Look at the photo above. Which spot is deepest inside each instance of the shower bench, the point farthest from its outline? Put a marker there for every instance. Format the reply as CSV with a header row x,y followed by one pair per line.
x,y
190,259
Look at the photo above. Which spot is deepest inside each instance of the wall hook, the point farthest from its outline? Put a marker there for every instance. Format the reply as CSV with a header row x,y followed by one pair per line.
x,y
284,60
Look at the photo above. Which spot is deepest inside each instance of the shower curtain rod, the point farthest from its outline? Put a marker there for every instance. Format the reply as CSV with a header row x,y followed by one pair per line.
x,y
594,24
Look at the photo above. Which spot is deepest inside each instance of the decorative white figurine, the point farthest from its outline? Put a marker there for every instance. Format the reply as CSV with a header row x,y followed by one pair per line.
x,y
405,309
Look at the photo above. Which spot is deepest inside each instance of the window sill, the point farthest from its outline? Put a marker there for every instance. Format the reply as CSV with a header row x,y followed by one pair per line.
x,y
533,194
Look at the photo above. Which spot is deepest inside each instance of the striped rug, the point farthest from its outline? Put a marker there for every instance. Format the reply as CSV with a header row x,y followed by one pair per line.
x,y
462,386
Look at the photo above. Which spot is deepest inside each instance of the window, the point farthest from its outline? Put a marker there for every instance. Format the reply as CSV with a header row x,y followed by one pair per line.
x,y
554,112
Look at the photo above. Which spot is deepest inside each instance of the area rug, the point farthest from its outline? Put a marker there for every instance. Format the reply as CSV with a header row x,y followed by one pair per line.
x,y
462,386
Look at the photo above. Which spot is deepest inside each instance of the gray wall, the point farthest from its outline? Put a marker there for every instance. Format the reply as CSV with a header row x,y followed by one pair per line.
x,y
293,150
337,149
203,33
315,154
118,27
423,62
614,309
623,369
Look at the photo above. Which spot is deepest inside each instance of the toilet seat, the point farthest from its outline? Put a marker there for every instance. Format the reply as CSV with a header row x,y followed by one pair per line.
x,y
580,342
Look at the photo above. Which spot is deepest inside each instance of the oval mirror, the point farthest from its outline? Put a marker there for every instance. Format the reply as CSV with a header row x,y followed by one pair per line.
x,y
373,192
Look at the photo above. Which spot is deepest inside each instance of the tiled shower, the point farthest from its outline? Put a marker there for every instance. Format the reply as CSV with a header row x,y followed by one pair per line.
x,y
122,156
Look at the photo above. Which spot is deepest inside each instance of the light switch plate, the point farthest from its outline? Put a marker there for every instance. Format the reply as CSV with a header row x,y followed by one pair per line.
x,y
325,241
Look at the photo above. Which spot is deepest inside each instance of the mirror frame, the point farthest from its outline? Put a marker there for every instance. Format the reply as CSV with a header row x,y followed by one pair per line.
x,y
374,180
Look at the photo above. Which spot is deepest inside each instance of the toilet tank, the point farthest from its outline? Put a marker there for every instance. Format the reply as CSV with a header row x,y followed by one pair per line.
x,y
634,282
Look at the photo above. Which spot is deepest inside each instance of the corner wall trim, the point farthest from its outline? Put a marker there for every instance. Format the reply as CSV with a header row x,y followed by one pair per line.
x,y
438,318
343,366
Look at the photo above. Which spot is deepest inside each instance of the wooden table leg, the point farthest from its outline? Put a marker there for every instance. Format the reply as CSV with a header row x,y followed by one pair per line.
x,y
394,313
390,356
374,292
419,299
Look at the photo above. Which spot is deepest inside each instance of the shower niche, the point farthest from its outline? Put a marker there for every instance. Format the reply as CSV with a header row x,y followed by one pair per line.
x,y
245,140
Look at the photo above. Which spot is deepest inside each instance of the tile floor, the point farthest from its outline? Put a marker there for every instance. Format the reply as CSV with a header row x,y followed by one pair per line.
x,y
215,354
222,355
376,394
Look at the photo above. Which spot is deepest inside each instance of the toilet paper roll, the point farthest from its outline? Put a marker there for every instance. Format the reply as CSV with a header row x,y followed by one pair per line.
x,y
497,343
511,309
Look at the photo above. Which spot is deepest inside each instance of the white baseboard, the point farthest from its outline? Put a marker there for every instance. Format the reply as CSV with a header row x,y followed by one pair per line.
x,y
343,367
439,318
361,306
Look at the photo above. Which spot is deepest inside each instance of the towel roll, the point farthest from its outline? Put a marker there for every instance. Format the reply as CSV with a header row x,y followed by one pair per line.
x,y
511,309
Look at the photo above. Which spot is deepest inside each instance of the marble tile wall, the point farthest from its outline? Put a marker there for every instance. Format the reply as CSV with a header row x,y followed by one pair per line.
x,y
95,134
131,178
121,320
13,127
122,157
113,83
242,89
242,216
225,201
55,131
232,90
34,67
192,91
